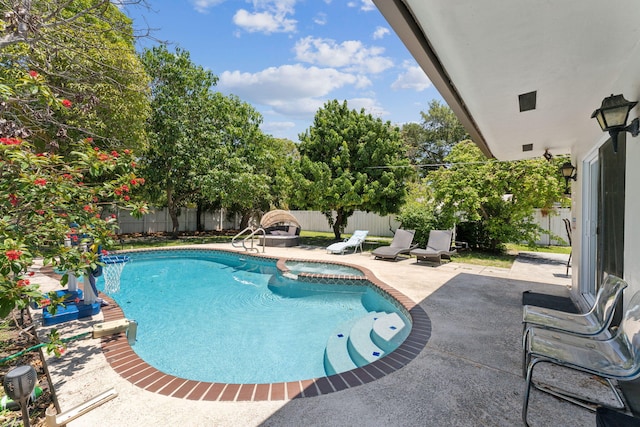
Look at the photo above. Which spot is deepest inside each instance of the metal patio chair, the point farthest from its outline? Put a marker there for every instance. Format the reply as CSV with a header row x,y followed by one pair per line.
x,y
590,324
614,359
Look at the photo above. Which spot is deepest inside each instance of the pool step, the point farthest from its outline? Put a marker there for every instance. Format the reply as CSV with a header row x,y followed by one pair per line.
x,y
336,354
389,331
361,347
352,344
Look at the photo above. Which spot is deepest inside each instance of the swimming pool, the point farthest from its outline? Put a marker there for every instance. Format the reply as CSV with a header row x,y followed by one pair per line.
x,y
223,317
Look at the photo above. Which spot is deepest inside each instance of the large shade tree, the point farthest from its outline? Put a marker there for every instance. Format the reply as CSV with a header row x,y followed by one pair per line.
x,y
430,141
85,51
47,197
177,152
238,172
206,149
497,197
351,161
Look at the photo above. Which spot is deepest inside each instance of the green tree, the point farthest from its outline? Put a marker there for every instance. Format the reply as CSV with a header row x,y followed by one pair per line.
x,y
350,160
499,197
43,194
237,173
174,160
432,140
419,212
85,50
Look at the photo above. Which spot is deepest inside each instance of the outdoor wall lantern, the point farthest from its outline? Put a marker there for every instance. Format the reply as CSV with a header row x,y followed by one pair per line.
x,y
612,117
568,172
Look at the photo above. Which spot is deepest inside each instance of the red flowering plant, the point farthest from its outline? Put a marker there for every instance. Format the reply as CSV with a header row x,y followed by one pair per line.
x,y
43,195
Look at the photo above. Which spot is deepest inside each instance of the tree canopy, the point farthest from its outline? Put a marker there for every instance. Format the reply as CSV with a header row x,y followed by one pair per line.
x,y
497,197
431,141
85,50
177,127
207,149
350,160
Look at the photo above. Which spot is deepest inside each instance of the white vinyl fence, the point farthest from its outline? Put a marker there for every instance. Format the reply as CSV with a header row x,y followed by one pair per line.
x,y
554,223
159,221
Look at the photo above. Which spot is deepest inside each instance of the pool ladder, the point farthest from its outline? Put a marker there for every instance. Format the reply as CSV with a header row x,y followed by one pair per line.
x,y
248,242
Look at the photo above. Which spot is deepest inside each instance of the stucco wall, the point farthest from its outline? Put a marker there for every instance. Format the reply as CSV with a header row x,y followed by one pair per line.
x,y
632,218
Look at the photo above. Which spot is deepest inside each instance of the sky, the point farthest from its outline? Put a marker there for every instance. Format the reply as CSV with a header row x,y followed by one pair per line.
x,y
288,57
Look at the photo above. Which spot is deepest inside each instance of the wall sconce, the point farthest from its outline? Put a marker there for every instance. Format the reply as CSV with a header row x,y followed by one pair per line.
x,y
612,117
547,155
568,172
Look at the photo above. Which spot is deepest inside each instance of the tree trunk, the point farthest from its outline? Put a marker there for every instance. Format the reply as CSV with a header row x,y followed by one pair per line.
x,y
173,213
338,225
244,222
199,223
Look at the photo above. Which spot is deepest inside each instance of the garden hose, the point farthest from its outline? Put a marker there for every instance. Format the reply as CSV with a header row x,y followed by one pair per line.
x,y
37,346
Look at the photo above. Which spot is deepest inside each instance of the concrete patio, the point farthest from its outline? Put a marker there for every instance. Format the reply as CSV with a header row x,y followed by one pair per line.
x,y
469,373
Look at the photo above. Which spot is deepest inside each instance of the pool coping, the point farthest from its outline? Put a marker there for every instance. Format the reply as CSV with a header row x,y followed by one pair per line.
x,y
131,367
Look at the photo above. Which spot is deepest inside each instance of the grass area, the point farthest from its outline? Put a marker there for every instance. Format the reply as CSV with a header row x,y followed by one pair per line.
x,y
484,258
512,247
324,239
161,240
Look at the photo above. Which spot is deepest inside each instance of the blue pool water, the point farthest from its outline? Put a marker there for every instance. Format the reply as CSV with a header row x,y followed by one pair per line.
x,y
220,317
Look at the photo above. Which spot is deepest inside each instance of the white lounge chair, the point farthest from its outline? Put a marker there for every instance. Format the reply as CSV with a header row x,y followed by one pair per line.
x,y
355,241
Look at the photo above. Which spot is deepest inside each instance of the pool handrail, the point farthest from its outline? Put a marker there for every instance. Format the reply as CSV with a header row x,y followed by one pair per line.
x,y
249,238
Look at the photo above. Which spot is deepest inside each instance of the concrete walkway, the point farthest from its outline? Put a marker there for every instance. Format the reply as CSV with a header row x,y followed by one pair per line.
x,y
468,374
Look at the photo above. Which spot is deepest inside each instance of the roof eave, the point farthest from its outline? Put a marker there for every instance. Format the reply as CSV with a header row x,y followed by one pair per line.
x,y
404,24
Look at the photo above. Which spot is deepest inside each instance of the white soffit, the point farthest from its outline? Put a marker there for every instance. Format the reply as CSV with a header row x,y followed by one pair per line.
x,y
573,53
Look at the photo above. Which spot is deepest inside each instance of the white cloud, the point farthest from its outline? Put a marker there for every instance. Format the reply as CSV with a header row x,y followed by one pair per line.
x,y
320,18
263,22
268,16
289,89
277,127
412,78
365,5
380,32
351,55
203,6
370,105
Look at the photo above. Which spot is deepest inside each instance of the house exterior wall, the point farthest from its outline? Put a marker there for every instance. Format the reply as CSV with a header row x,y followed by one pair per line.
x,y
632,218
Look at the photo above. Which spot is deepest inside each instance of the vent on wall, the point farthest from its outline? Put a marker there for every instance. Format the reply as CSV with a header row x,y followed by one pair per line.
x,y
527,147
527,101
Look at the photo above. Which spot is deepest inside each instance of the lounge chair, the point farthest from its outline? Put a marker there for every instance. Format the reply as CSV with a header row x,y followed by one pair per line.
x,y
438,247
590,324
355,241
617,358
401,244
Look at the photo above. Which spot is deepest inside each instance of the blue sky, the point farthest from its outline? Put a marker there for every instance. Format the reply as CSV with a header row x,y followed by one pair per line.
x,y
288,57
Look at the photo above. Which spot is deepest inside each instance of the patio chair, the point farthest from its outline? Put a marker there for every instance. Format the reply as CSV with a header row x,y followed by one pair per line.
x,y
401,244
355,241
617,358
591,324
438,247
